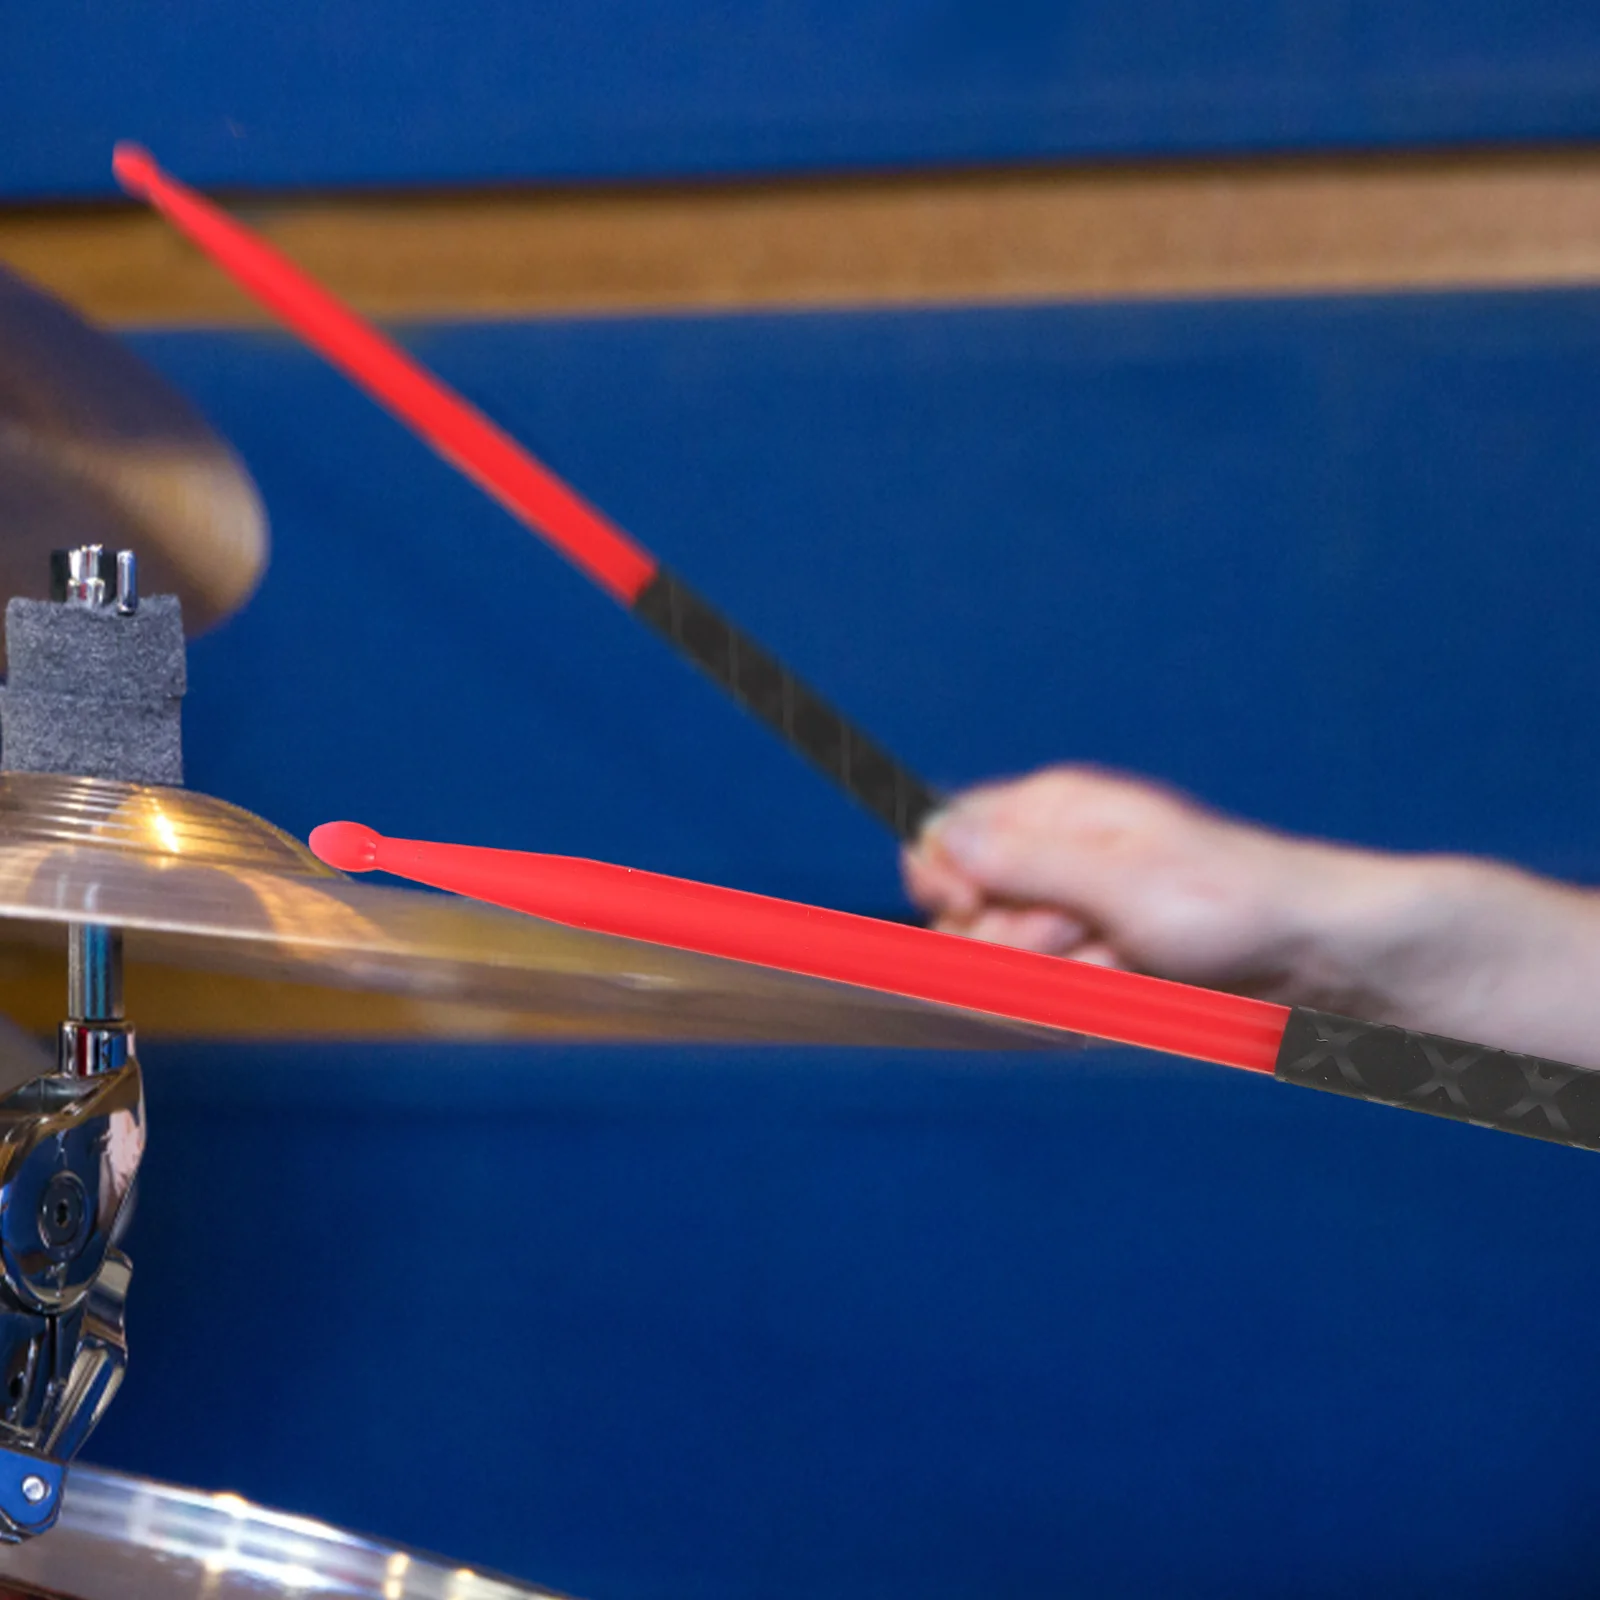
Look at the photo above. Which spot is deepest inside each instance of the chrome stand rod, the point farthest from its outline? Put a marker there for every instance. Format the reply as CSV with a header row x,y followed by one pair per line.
x,y
94,973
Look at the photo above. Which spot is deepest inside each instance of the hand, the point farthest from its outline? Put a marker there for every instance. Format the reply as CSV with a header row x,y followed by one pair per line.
x,y
1082,863
1108,869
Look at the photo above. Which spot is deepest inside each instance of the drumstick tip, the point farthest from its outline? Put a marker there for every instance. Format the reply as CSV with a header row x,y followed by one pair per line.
x,y
133,167
349,846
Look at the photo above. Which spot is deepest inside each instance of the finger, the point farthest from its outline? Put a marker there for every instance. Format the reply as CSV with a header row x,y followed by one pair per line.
x,y
1097,953
1038,928
936,884
1070,837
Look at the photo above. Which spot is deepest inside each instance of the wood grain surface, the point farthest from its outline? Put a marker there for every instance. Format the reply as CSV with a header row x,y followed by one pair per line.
x,y
1367,224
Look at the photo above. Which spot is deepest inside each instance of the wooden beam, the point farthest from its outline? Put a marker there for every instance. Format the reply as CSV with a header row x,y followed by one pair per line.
x,y
1364,224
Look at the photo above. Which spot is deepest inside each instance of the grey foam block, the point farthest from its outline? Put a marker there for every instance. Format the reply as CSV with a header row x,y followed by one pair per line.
x,y
94,693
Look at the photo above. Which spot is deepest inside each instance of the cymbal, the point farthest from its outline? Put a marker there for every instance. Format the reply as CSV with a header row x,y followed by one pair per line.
x,y
95,448
127,1538
208,894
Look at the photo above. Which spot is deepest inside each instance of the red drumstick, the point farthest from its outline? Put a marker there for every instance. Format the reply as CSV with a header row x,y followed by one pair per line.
x,y
533,494
886,956
1418,1072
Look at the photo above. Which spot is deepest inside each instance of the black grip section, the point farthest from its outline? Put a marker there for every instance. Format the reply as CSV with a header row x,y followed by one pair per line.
x,y
1444,1077
764,686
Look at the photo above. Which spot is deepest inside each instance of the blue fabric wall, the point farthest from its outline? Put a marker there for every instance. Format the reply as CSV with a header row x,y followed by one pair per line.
x,y
430,91
1327,562
660,1323
656,1324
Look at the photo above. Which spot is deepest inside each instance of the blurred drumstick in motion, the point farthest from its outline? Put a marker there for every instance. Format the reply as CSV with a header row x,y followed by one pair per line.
x,y
500,466
1420,1072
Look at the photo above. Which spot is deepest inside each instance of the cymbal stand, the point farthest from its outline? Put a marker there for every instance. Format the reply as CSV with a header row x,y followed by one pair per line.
x,y
70,1145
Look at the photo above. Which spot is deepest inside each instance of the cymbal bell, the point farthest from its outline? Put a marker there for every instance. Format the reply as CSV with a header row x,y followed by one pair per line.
x,y
95,448
210,896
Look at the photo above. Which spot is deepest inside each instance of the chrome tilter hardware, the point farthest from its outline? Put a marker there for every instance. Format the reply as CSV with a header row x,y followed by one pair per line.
x,y
70,1144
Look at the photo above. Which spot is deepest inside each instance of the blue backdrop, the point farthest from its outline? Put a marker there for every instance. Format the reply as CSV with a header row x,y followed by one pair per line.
x,y
661,1323
432,91
656,1324
1327,562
